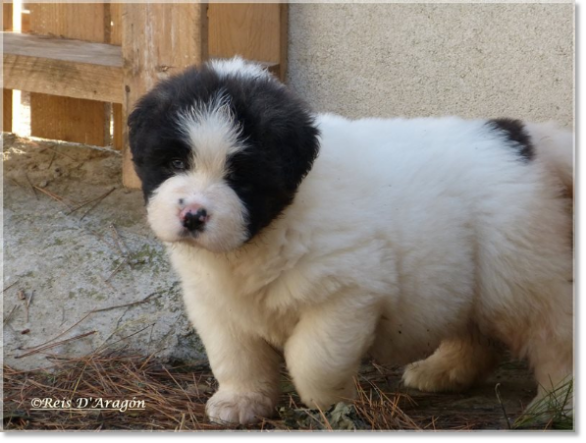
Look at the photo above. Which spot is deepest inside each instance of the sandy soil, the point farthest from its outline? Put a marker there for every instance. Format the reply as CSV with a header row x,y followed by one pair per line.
x,y
79,258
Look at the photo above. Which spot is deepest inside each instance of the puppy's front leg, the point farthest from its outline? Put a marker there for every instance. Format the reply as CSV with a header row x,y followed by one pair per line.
x,y
246,367
324,352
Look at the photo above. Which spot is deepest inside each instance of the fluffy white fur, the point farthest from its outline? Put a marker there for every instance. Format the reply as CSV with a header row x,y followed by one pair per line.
x,y
237,66
414,240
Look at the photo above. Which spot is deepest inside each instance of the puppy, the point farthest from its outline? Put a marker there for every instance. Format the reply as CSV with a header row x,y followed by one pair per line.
x,y
318,239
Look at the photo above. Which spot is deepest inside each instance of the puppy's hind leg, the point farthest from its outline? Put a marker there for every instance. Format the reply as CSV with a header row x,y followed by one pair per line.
x,y
456,365
324,352
549,347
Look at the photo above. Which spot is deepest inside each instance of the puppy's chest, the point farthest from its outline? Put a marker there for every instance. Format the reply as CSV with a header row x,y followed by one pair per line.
x,y
254,314
254,296
275,327
270,311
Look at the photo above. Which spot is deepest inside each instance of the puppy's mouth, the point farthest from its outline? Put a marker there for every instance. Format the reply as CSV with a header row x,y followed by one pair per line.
x,y
186,234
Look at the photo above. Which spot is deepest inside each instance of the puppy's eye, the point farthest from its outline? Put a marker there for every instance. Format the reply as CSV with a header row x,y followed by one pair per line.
x,y
178,165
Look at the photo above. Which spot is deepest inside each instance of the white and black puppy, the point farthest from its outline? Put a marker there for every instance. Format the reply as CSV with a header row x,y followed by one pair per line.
x,y
319,239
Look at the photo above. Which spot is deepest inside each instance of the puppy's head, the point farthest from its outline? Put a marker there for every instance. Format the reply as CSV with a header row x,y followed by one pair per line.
x,y
220,151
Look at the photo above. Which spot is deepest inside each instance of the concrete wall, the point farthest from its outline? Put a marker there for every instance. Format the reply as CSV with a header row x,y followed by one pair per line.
x,y
474,60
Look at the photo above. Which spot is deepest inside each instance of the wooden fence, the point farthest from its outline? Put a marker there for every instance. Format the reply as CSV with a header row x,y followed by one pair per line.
x,y
86,64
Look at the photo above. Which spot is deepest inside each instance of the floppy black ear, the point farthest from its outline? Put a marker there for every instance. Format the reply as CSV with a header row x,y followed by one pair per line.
x,y
149,111
141,139
148,114
136,118
136,122
288,126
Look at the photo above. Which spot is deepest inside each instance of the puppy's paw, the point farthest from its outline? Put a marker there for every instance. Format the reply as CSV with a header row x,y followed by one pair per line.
x,y
428,376
228,407
323,399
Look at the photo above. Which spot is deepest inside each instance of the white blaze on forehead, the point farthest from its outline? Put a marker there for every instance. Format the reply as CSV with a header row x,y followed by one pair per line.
x,y
212,132
237,66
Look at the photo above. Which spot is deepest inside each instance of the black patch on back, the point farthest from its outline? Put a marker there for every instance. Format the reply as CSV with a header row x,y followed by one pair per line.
x,y
516,133
277,128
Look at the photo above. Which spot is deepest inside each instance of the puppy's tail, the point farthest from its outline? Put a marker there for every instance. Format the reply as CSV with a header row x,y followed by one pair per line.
x,y
554,146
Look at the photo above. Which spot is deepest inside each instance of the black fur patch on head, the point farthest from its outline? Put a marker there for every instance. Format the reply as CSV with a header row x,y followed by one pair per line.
x,y
277,128
515,132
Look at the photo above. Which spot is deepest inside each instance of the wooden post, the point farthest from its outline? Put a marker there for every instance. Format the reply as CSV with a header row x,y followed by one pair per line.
x,y
158,40
66,118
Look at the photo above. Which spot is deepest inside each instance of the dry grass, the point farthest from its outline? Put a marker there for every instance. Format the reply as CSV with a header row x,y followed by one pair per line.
x,y
174,398
173,401
175,395
552,411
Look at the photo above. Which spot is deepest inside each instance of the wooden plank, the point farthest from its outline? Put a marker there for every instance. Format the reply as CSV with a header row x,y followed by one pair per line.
x,y
254,31
67,118
158,40
283,41
116,39
62,49
63,67
116,23
82,21
25,21
7,16
7,93
79,114
63,78
118,129
6,110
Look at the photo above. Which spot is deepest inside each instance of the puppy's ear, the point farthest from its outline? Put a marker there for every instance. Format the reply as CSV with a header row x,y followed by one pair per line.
x,y
136,121
140,121
138,117
135,118
289,126
150,108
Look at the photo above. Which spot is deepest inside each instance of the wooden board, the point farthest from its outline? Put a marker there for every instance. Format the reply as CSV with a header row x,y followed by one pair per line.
x,y
254,31
25,25
7,93
115,38
284,41
62,49
63,67
7,16
6,110
158,40
115,14
74,114
67,118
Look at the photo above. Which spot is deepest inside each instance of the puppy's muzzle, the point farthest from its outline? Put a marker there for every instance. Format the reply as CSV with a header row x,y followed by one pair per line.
x,y
194,218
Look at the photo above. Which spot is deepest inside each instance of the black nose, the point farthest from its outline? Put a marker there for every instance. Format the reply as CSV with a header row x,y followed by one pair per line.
x,y
195,222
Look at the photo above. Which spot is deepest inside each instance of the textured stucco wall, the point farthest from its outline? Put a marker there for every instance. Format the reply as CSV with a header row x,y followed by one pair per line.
x,y
474,60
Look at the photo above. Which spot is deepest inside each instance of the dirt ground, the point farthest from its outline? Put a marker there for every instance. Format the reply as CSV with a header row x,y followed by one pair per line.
x,y
79,258
80,262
